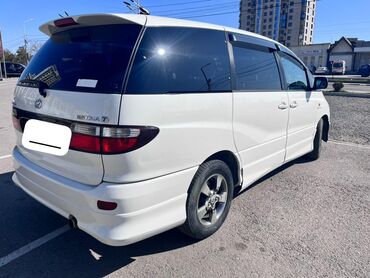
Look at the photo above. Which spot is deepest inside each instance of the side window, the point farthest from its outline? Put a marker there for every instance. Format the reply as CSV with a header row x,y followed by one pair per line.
x,y
176,59
295,73
256,69
10,68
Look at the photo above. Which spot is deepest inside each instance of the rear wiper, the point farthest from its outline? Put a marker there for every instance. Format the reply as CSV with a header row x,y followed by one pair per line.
x,y
42,86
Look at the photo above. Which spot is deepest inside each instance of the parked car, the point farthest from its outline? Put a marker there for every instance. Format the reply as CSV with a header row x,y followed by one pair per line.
x,y
339,67
167,119
321,70
364,70
12,69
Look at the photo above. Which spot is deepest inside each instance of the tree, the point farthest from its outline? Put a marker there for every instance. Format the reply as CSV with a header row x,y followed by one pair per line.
x,y
33,48
9,56
21,56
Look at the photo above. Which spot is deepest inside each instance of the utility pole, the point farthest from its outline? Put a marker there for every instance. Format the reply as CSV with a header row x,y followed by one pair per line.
x,y
2,57
25,38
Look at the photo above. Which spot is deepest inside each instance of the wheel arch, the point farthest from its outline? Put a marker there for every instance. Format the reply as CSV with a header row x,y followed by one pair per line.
x,y
231,161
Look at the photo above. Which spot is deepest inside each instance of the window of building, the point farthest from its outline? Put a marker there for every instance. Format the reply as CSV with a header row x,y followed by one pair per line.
x,y
290,24
176,59
289,38
295,74
320,61
256,69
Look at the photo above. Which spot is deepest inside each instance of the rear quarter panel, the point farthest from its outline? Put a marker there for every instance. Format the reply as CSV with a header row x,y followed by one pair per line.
x,y
192,127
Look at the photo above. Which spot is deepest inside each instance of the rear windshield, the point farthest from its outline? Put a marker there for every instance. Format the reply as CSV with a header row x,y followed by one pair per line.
x,y
89,59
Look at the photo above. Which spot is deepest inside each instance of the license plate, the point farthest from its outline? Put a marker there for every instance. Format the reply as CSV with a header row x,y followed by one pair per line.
x,y
46,137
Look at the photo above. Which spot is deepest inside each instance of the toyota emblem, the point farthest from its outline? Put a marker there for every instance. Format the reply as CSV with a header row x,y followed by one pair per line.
x,y
38,103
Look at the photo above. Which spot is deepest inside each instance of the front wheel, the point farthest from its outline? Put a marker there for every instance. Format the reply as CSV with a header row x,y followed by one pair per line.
x,y
209,199
315,154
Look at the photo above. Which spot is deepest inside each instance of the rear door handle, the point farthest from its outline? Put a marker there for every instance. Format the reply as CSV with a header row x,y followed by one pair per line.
x,y
283,105
294,104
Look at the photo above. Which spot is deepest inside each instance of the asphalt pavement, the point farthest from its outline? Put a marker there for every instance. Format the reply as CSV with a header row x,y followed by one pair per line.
x,y
306,219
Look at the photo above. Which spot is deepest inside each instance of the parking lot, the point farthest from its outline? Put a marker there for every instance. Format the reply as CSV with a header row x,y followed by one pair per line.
x,y
306,219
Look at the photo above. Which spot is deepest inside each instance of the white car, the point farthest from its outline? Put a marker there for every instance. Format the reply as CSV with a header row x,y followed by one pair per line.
x,y
165,119
321,70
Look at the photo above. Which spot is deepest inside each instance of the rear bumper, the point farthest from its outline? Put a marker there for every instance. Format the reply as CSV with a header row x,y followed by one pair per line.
x,y
144,208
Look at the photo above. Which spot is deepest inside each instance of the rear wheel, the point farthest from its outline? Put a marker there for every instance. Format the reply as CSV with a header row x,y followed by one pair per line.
x,y
209,199
315,154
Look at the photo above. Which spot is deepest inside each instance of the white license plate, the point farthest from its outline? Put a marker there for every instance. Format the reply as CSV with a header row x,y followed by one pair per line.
x,y
46,137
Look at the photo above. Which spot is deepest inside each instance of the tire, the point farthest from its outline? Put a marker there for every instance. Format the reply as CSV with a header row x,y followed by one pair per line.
x,y
203,197
315,154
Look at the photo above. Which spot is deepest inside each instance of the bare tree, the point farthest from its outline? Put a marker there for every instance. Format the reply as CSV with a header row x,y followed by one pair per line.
x,y
33,48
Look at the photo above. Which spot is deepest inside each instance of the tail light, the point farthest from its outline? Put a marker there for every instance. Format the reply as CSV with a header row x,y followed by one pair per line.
x,y
110,140
17,123
64,22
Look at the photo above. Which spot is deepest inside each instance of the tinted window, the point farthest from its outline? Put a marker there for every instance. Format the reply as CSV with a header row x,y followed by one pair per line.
x,y
256,69
98,54
180,60
295,74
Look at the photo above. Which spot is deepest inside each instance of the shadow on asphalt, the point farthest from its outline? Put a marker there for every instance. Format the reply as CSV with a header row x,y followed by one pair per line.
x,y
74,253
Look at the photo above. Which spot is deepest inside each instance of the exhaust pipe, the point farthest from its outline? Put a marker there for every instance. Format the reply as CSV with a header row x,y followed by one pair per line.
x,y
72,222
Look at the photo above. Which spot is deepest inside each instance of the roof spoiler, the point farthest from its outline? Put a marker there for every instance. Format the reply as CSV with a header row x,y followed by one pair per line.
x,y
72,22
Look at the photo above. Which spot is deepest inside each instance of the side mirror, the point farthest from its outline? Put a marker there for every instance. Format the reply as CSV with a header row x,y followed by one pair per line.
x,y
320,83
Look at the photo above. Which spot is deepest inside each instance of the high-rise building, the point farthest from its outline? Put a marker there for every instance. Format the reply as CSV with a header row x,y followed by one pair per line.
x,y
290,22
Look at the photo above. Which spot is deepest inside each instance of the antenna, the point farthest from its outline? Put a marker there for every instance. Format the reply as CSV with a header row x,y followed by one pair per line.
x,y
66,13
61,16
128,5
137,7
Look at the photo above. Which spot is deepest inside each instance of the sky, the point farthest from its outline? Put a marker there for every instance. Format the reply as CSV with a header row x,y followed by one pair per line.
x,y
334,18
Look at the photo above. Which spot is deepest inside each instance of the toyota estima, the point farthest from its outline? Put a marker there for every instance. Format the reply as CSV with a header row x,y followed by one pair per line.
x,y
167,119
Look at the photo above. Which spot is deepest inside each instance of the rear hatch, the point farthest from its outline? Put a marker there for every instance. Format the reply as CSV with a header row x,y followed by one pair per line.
x,y
82,69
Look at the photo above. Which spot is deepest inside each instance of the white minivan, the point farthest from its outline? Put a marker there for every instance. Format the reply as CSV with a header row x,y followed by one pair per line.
x,y
167,119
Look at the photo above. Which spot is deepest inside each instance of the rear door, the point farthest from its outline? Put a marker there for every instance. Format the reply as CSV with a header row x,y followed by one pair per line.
x,y
260,107
84,70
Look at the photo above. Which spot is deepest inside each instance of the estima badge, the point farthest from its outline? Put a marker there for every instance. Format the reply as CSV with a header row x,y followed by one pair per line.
x,y
38,103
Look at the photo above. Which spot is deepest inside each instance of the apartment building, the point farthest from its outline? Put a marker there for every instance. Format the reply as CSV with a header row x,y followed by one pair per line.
x,y
290,22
